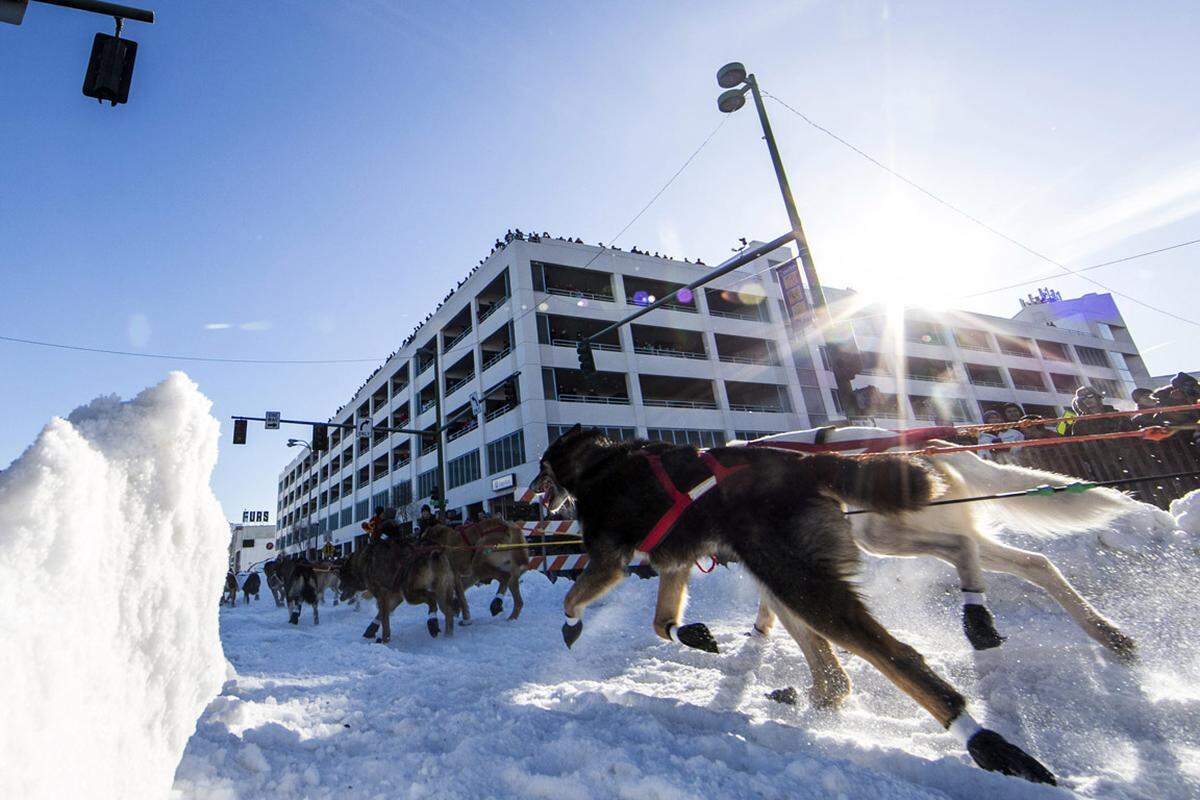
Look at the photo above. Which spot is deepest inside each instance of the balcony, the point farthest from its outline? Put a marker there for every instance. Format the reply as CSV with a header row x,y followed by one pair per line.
x,y
496,346
731,304
493,296
641,291
669,342
666,391
1054,351
971,339
923,332
501,398
456,329
1027,380
564,331
985,375
1015,346
759,397
572,281
746,350
572,386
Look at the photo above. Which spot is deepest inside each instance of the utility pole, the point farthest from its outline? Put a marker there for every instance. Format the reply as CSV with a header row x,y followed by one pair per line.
x,y
729,77
439,427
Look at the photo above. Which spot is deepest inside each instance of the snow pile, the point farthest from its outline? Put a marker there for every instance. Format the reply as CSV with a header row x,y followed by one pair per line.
x,y
1186,511
112,556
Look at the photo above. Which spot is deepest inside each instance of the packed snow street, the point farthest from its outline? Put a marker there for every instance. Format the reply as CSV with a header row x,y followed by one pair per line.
x,y
503,709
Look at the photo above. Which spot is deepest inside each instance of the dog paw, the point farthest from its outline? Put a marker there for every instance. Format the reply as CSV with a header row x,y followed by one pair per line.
x,y
698,636
1122,646
980,627
570,633
371,630
496,607
786,695
995,754
434,628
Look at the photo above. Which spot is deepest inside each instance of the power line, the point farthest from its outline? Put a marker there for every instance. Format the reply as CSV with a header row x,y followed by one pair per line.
x,y
174,357
213,359
975,219
1084,269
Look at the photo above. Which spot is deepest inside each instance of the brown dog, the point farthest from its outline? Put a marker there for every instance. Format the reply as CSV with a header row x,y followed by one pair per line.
x,y
482,552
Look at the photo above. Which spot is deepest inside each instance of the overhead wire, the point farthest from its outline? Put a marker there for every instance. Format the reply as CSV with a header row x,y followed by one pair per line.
x,y
977,221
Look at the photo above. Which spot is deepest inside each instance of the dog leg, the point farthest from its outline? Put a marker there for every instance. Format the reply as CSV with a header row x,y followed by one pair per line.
x,y
432,622
514,584
672,597
836,612
446,605
831,684
498,601
765,620
460,595
977,621
1038,570
597,578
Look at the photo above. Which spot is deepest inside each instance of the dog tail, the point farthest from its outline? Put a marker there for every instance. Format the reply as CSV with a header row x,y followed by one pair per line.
x,y
884,484
968,475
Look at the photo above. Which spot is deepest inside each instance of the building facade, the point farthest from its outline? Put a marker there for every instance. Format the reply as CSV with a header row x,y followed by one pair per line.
x,y
250,545
710,366
719,363
933,365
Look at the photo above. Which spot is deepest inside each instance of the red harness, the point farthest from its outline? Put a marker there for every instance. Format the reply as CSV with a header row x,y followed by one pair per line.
x,y
681,501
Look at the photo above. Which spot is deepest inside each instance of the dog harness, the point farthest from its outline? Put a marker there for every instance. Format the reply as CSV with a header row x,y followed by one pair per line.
x,y
681,501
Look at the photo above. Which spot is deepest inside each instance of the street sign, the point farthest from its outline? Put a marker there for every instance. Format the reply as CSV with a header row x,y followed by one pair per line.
x,y
504,482
13,11
272,423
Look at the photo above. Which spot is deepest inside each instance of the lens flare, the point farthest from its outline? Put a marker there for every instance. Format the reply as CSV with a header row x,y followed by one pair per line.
x,y
684,295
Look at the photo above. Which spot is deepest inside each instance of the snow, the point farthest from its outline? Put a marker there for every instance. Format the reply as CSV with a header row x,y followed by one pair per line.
x,y
504,710
1187,511
112,556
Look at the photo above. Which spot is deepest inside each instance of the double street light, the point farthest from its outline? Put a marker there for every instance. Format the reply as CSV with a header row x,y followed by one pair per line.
x,y
841,351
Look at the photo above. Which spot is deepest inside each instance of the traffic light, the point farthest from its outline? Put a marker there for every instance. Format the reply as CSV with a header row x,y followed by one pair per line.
x,y
587,359
239,431
320,438
110,69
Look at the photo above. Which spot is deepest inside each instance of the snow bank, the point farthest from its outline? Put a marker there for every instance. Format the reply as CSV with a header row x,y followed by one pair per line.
x,y
1186,511
112,556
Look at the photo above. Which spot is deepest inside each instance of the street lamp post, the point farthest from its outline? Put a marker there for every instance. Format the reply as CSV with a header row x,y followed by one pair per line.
x,y
306,445
736,81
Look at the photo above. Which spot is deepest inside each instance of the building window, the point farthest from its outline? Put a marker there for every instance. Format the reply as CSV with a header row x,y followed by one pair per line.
x,y
347,517
426,481
1092,356
1109,388
247,543
402,494
685,436
361,510
463,469
506,452
615,434
749,436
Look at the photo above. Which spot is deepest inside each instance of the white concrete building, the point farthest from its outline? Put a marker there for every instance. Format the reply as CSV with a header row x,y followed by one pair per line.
x,y
720,364
704,370
931,364
250,545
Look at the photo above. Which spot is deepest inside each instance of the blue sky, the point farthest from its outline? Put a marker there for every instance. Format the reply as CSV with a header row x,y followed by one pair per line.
x,y
319,174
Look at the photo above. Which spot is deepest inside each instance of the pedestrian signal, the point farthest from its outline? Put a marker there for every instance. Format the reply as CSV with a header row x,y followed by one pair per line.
x,y
239,431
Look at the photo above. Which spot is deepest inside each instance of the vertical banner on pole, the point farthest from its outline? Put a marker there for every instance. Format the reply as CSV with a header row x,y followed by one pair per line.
x,y
795,300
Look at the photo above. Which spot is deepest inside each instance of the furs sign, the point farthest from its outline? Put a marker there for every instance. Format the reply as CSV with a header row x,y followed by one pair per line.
x,y
256,516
